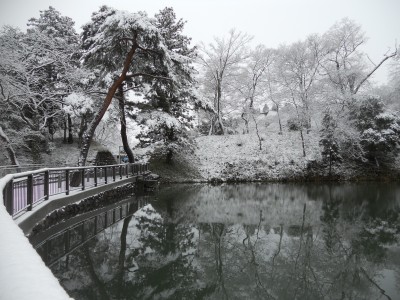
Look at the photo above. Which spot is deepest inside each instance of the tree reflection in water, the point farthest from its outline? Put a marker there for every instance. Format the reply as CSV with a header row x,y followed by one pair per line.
x,y
248,241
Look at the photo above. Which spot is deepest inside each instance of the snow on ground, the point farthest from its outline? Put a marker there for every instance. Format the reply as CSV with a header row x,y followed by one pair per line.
x,y
239,156
23,275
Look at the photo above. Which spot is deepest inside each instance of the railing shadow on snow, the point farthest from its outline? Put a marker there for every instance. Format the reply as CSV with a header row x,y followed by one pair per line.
x,y
22,191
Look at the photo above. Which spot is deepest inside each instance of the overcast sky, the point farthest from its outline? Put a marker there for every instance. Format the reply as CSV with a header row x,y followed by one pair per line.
x,y
271,22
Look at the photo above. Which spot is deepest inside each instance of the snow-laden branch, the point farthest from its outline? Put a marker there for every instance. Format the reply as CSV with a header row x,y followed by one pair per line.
x,y
9,148
374,69
147,75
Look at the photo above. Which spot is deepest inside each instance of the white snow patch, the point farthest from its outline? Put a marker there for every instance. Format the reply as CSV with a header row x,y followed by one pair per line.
x,y
23,274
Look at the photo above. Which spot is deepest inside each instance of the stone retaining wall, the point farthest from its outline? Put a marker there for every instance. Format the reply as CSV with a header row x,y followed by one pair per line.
x,y
88,204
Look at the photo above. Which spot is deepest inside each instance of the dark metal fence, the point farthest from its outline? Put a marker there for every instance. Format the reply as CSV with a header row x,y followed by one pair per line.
x,y
25,190
12,169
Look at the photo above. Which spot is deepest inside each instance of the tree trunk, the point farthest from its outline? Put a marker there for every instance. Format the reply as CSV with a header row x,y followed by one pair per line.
x,y
9,148
82,129
302,142
219,95
70,135
279,120
50,125
210,132
122,251
246,122
88,135
65,130
258,134
125,143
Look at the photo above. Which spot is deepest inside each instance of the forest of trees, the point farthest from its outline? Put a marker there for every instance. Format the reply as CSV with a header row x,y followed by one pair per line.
x,y
136,71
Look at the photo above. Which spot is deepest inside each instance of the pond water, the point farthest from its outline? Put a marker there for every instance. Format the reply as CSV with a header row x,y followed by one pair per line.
x,y
242,241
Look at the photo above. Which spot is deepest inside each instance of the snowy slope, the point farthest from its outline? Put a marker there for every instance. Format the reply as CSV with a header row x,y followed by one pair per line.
x,y
239,156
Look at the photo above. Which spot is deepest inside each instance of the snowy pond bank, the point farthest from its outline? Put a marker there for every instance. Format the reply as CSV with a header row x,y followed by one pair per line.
x,y
238,158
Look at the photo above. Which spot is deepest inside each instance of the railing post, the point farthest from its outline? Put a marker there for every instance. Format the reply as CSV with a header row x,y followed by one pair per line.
x,y
8,195
29,192
66,182
95,176
120,172
127,170
113,172
105,175
83,179
46,185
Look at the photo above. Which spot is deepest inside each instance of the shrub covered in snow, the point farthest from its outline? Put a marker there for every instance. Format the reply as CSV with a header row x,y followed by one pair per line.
x,y
379,130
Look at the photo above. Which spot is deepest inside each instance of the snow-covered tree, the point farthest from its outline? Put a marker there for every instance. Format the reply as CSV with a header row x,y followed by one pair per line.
x,y
61,72
171,109
36,73
130,48
54,25
250,84
80,106
297,73
329,141
345,65
379,130
221,61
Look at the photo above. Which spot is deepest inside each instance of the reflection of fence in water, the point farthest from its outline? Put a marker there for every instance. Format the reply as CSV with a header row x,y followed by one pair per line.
x,y
57,246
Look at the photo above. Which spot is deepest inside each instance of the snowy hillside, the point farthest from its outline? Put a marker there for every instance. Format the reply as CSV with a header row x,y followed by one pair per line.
x,y
239,156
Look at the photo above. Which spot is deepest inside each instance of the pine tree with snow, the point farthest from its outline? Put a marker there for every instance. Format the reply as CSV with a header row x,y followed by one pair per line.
x,y
130,50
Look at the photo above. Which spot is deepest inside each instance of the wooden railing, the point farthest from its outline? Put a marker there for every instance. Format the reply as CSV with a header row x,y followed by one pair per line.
x,y
22,191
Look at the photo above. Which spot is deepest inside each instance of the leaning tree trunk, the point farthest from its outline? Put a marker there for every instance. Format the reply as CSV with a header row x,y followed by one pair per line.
x,y
125,143
9,147
88,135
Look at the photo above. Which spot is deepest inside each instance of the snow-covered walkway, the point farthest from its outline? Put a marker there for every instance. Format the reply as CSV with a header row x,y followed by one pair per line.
x,y
23,275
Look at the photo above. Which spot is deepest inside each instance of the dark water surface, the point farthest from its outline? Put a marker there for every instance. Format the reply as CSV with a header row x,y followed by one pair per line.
x,y
244,241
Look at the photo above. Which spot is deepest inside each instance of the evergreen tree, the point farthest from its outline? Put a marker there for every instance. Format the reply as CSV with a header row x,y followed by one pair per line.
x,y
328,142
379,129
169,109
129,49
